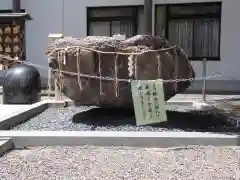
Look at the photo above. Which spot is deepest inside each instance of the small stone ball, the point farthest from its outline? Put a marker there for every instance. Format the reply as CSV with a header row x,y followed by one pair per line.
x,y
21,85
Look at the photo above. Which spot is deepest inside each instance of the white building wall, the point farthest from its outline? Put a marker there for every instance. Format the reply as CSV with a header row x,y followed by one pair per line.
x,y
49,16
5,4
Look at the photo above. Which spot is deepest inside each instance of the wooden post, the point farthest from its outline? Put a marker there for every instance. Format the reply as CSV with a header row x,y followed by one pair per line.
x,y
57,89
54,37
49,81
204,74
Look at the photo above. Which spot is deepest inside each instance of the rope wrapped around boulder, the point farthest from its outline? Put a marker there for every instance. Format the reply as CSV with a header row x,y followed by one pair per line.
x,y
141,57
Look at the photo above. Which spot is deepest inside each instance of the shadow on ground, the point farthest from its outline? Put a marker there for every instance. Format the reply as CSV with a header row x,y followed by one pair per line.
x,y
187,121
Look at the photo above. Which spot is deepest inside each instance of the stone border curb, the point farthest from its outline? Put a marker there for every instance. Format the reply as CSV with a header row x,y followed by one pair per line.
x,y
29,111
5,146
22,115
136,139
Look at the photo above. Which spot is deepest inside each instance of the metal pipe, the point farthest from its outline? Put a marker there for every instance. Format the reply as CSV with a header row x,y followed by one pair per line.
x,y
16,6
148,16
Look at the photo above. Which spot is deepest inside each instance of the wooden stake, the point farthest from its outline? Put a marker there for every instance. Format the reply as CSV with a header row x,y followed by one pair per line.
x,y
57,89
56,77
204,74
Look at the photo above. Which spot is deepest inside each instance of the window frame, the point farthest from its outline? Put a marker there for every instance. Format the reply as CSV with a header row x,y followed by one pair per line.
x,y
134,18
21,23
169,17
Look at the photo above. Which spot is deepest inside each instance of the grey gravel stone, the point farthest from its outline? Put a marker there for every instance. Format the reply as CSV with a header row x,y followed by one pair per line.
x,y
118,163
96,119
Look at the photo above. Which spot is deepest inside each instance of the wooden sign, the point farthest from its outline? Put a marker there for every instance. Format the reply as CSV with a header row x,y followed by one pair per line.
x,y
11,43
148,99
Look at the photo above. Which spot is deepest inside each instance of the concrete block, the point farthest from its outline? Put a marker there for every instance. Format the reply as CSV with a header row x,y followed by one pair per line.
x,y
5,146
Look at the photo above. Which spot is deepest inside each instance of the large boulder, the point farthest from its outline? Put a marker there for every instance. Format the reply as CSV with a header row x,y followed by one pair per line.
x,y
83,61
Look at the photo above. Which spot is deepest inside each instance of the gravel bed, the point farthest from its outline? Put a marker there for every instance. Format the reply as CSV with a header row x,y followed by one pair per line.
x,y
119,163
97,119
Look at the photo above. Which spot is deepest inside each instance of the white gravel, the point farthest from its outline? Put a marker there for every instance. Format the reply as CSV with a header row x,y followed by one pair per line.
x,y
119,163
96,119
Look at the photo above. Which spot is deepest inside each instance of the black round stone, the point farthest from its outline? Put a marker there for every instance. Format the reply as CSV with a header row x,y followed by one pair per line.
x,y
21,85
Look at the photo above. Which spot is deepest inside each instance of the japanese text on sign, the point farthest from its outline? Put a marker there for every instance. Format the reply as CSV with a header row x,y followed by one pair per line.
x,y
148,99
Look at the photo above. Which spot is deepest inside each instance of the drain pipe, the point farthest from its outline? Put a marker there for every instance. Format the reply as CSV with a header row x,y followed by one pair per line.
x,y
148,16
16,6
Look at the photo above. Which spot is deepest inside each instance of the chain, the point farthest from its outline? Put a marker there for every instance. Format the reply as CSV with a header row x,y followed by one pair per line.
x,y
126,80
228,77
109,78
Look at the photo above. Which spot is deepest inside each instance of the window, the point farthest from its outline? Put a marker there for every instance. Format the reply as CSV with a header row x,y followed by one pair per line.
x,y
194,27
12,41
107,21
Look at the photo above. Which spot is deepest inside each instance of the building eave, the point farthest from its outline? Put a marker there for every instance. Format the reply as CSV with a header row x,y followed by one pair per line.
x,y
15,16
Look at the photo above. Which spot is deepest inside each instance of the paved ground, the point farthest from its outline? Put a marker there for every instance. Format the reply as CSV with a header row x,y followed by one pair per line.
x,y
119,163
7,110
199,97
44,97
